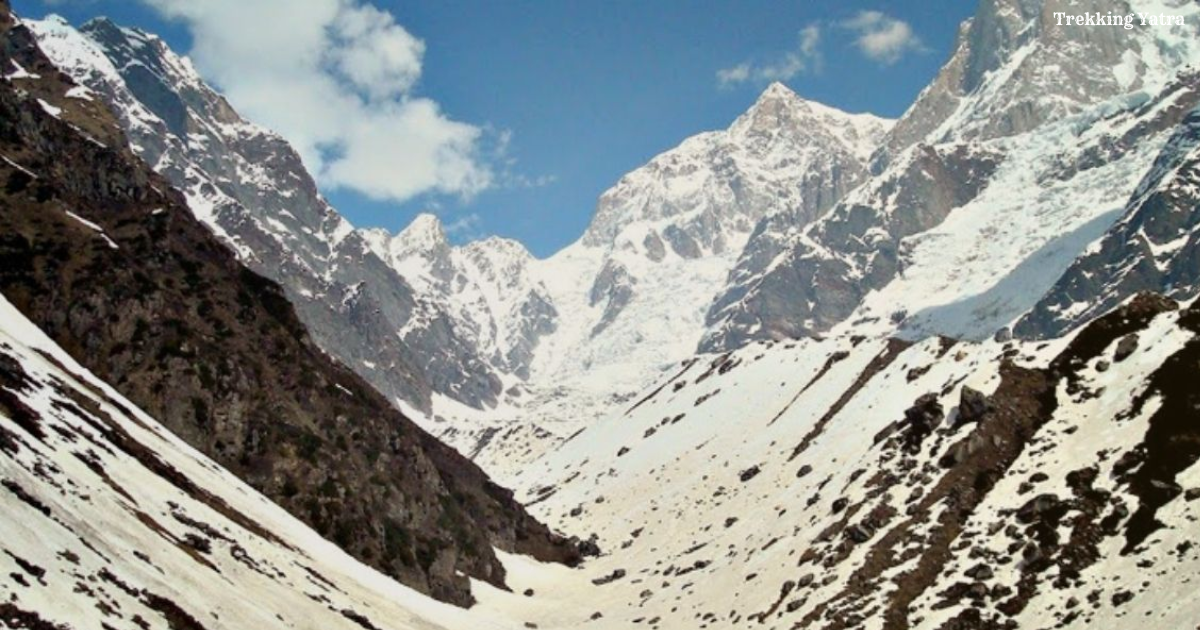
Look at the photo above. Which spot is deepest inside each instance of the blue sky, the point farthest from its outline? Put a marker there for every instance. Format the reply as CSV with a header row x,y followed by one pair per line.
x,y
544,105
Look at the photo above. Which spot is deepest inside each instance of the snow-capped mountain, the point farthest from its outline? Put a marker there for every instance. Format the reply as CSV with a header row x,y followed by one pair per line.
x,y
903,468
667,233
104,257
584,329
1015,68
784,154
251,188
797,219
1022,152
486,286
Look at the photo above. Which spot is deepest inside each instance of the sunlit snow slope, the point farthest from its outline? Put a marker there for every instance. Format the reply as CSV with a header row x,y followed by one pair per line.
x,y
853,482
112,522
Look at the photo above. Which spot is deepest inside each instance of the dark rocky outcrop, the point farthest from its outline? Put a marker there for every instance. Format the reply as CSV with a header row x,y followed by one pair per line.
x,y
143,295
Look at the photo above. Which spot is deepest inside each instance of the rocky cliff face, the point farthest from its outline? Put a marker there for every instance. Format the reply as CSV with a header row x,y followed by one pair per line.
x,y
1153,246
784,154
1001,173
1014,69
105,257
250,187
791,282
486,287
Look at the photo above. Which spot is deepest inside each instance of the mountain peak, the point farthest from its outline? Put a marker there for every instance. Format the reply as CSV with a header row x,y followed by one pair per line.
x,y
777,90
779,105
104,28
56,19
426,228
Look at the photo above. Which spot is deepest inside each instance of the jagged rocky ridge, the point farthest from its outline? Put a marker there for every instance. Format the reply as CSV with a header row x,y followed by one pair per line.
x,y
1008,165
486,287
250,187
104,256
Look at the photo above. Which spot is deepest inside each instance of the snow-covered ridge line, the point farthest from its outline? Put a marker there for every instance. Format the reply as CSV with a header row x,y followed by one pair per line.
x,y
250,188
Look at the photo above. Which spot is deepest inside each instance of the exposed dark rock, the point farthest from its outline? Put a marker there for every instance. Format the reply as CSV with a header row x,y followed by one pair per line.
x,y
587,548
885,358
1038,508
920,420
1024,400
12,616
217,353
980,572
860,533
1125,347
611,577
1172,441
961,451
749,473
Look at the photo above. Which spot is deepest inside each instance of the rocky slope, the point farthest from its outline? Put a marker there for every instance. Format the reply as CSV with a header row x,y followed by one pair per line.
x,y
250,187
100,253
852,482
110,521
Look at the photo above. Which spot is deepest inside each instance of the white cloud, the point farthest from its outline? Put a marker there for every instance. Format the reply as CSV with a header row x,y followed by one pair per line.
x,y
882,38
805,58
336,78
466,228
